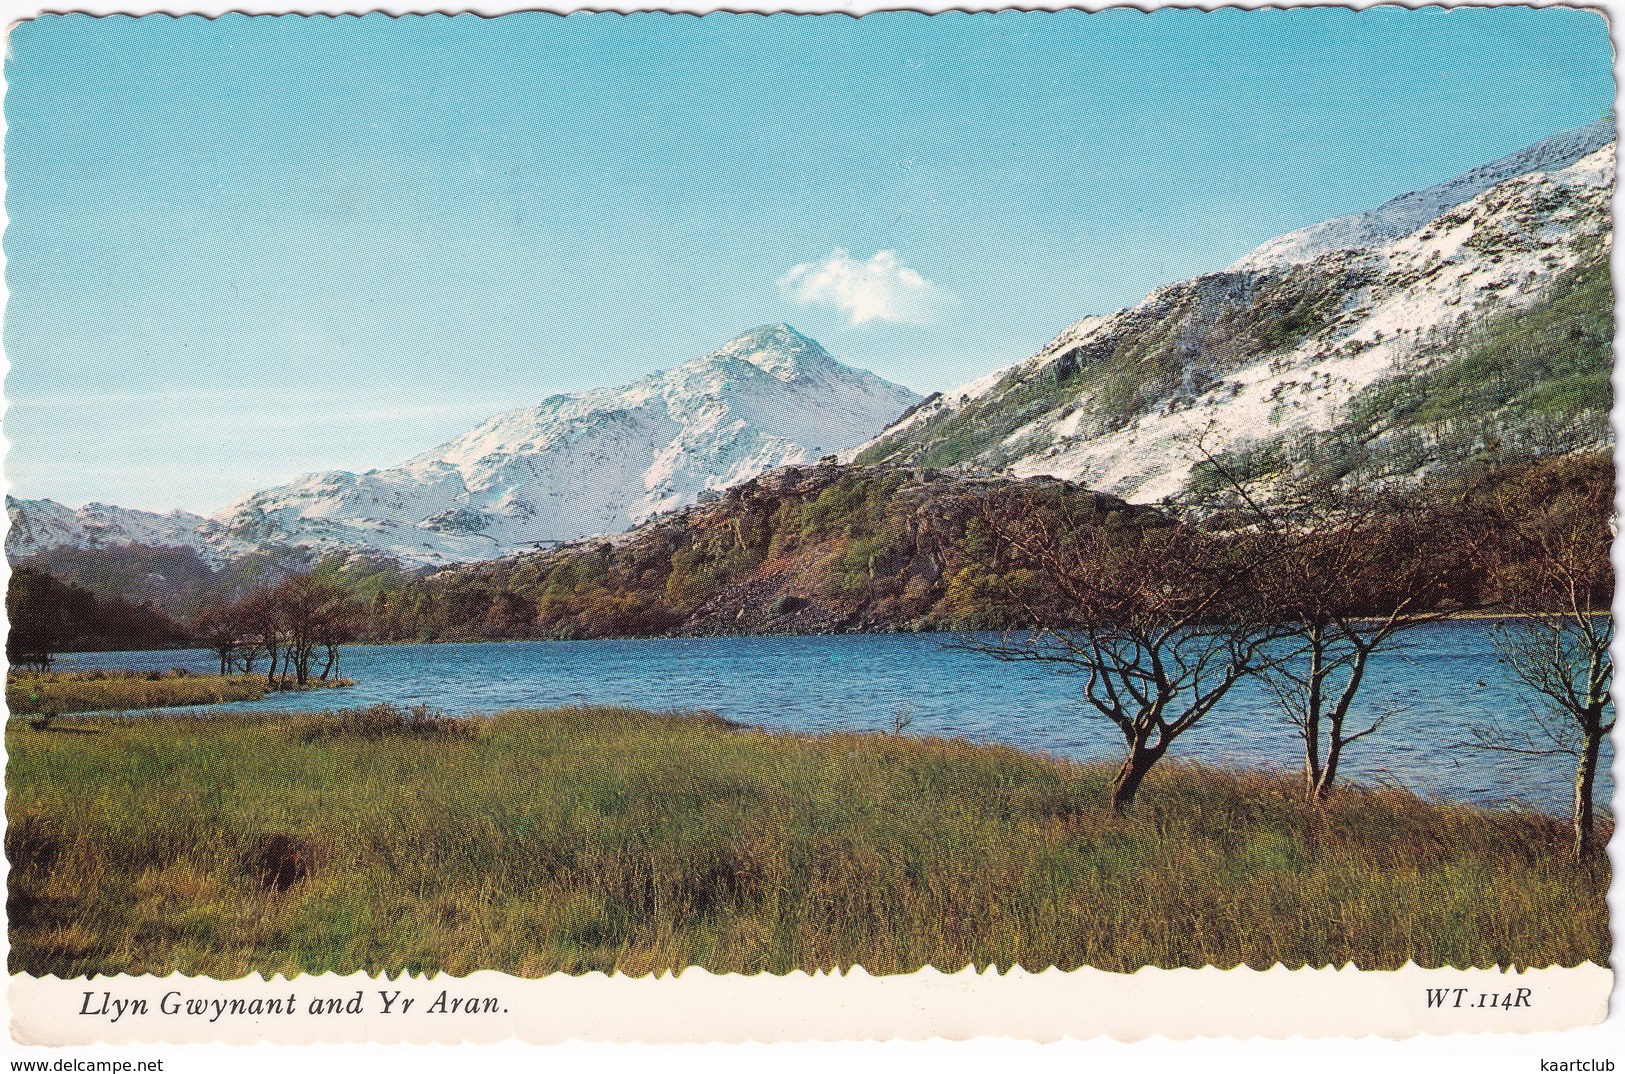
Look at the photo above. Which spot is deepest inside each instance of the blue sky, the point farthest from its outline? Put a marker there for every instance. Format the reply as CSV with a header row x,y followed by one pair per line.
x,y
247,248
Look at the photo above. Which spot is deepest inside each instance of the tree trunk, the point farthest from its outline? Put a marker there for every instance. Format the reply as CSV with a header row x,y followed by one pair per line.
x,y
1311,717
1585,780
1132,773
1323,787
1336,719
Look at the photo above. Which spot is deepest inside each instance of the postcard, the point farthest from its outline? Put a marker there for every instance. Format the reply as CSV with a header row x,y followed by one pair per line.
x,y
650,528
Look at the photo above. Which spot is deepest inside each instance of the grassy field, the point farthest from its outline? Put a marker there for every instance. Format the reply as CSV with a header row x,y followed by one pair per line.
x,y
603,839
59,693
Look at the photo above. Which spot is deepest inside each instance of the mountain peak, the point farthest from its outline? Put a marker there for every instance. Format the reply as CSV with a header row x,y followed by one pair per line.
x,y
770,335
774,348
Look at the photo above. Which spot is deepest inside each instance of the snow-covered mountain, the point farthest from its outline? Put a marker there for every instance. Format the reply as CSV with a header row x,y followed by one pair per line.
x,y
40,525
1482,327
596,462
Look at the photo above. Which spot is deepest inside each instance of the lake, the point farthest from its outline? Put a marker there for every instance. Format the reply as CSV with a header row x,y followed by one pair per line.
x,y
1443,678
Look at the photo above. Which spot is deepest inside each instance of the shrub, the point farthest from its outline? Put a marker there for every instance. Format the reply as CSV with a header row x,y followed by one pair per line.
x,y
384,720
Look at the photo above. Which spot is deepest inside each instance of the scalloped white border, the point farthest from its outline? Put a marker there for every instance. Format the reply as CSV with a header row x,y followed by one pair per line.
x,y
700,1007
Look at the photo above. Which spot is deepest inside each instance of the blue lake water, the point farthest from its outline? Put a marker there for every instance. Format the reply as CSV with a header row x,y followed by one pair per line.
x,y
1444,678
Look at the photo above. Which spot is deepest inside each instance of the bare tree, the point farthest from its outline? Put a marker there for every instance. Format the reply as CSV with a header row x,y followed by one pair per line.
x,y
312,614
339,622
224,631
1553,572
1162,620
300,602
262,625
290,622
1350,571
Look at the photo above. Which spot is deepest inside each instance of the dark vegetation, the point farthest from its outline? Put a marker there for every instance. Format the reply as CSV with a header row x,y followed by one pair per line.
x,y
47,615
176,581
608,840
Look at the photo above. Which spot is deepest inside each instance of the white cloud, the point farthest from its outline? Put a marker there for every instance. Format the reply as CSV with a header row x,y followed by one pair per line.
x,y
879,289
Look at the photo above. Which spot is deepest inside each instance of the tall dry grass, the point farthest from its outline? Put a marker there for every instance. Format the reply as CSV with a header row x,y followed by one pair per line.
x,y
61,693
606,839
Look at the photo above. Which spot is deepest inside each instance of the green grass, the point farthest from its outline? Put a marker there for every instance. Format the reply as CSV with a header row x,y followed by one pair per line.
x,y
604,839
59,693
1554,359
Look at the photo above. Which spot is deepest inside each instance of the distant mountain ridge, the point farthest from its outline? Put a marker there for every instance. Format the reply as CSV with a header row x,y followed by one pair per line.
x,y
38,525
1482,329
572,466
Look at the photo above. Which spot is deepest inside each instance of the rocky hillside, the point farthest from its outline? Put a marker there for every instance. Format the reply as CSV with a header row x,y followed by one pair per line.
x,y
1484,332
845,548
803,549
590,463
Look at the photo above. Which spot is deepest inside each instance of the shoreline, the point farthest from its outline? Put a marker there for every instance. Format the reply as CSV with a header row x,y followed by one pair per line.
x,y
1468,616
49,695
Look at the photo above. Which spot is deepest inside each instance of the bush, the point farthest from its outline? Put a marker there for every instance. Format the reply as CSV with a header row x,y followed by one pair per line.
x,y
384,720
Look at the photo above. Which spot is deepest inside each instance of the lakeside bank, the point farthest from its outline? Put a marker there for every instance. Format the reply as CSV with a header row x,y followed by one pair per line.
x,y
53,693
585,839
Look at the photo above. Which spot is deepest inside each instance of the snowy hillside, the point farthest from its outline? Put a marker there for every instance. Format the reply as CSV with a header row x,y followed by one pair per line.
x,y
1283,357
572,466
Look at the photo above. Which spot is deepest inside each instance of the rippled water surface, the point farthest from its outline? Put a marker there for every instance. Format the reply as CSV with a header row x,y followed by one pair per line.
x,y
1443,679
